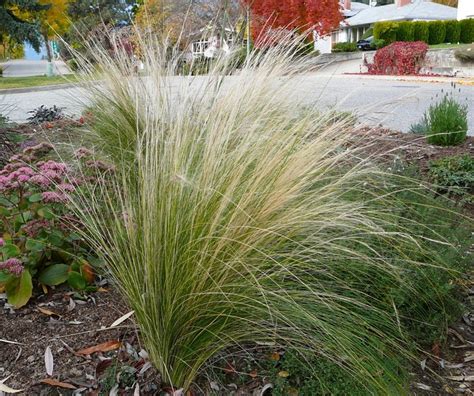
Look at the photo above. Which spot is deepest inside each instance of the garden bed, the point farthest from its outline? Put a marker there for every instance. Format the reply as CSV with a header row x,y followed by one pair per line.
x,y
68,322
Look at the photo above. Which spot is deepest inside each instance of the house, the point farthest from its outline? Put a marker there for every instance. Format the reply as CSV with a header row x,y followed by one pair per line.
x,y
465,9
358,18
212,40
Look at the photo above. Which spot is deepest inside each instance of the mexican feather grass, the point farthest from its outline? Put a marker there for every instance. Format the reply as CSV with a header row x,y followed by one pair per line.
x,y
238,215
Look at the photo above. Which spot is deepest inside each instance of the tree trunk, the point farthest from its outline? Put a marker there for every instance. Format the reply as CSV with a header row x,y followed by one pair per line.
x,y
49,53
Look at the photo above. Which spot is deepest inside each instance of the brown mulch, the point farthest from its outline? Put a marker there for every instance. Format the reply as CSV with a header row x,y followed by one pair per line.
x,y
412,149
68,323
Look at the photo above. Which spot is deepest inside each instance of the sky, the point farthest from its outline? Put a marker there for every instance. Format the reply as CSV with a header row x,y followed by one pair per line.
x,y
31,54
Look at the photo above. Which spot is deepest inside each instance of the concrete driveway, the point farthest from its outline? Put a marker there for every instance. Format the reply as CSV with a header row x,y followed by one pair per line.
x,y
28,68
394,103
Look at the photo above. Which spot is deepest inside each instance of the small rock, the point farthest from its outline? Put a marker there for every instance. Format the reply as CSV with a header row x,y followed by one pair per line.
x,y
30,359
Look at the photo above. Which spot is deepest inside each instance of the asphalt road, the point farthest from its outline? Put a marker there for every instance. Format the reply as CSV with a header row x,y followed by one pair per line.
x,y
27,68
377,101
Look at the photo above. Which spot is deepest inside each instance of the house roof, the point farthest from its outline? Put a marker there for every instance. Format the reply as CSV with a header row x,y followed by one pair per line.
x,y
418,10
355,9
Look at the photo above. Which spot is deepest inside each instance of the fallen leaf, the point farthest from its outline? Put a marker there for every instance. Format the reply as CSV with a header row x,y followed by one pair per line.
x,y
265,388
466,378
423,364
214,386
7,389
253,374
114,390
71,305
59,384
419,385
10,342
45,289
283,374
275,356
49,361
102,290
48,312
469,357
104,347
122,319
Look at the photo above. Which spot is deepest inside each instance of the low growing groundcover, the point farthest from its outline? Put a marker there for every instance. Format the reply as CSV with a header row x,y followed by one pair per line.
x,y
69,322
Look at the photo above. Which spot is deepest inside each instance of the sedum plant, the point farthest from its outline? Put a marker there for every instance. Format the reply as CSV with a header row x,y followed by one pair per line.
x,y
39,242
234,219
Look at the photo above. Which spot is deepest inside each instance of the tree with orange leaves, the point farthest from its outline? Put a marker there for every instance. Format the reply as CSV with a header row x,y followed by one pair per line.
x,y
300,15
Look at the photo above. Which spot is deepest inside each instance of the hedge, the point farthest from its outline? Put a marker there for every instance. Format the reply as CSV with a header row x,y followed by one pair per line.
x,y
437,32
432,32
421,31
453,32
386,31
467,31
345,47
406,31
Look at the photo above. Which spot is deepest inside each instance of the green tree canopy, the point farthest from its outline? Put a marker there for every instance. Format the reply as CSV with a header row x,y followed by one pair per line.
x,y
87,15
15,24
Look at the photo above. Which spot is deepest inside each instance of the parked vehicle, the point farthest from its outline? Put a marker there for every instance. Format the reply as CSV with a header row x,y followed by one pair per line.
x,y
366,44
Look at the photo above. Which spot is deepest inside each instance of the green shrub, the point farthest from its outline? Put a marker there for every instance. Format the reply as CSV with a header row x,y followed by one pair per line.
x,y
406,31
453,32
421,31
229,221
437,32
455,175
379,44
344,47
465,54
386,31
447,122
467,31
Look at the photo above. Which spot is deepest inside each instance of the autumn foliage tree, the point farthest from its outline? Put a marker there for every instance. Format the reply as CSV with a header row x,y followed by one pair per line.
x,y
53,21
299,15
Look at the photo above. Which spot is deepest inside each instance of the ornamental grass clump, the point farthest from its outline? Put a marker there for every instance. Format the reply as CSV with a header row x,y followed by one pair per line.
x,y
234,219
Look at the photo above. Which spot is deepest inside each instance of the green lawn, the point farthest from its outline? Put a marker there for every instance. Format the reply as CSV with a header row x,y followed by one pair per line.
x,y
447,45
36,81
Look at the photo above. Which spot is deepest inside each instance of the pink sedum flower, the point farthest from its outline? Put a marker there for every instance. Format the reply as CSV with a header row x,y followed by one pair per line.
x,y
13,266
41,181
54,197
66,187
58,167
2,242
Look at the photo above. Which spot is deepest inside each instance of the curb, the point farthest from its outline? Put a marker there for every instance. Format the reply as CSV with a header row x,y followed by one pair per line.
x,y
420,79
8,91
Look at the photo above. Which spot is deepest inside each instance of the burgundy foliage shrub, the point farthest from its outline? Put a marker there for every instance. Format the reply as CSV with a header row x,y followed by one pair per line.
x,y
399,58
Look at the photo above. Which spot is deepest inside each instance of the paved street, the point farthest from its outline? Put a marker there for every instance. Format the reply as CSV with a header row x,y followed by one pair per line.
x,y
24,68
392,103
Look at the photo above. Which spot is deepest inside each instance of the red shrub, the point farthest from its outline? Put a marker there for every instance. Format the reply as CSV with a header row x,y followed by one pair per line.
x,y
399,58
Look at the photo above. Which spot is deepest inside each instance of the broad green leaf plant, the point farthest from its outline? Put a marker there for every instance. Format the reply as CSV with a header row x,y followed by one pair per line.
x,y
39,239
